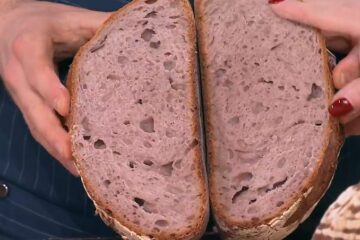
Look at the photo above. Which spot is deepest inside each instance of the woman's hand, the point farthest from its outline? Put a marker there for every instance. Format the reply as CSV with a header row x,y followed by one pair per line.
x,y
34,34
339,20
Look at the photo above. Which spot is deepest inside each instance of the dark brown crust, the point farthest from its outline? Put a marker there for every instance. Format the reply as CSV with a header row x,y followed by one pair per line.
x,y
199,224
322,175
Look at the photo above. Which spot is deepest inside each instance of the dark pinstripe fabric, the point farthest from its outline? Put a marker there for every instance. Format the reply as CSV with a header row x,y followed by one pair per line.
x,y
44,200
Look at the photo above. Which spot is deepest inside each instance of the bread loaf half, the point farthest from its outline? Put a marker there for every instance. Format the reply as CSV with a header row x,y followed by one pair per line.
x,y
342,219
272,145
135,124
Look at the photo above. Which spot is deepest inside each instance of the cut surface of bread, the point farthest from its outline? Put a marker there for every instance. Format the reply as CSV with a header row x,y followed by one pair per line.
x,y
135,122
272,145
342,219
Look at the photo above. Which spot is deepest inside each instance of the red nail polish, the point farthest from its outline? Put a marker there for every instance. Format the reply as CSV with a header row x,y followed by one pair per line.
x,y
340,107
275,1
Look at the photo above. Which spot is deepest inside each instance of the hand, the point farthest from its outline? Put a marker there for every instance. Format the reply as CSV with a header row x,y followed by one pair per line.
x,y
339,21
34,34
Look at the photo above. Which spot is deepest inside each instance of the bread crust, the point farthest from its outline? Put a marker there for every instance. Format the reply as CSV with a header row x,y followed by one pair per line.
x,y
341,220
117,222
299,207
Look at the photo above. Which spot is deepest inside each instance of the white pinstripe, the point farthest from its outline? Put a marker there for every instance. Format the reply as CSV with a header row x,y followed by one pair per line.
x,y
23,157
37,168
25,226
10,141
47,218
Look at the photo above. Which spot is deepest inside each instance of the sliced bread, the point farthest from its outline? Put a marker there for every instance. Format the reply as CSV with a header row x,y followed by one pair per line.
x,y
272,146
134,122
342,219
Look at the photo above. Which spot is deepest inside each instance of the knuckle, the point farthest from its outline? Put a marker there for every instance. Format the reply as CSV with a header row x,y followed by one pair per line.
x,y
20,43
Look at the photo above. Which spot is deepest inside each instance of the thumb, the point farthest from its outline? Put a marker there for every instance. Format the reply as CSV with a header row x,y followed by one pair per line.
x,y
327,15
74,29
90,20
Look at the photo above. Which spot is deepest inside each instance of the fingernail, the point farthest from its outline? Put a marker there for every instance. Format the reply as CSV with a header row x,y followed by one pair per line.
x,y
275,1
340,107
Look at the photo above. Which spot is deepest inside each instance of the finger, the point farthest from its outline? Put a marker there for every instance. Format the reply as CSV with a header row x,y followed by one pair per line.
x,y
75,28
347,69
40,73
334,16
337,43
346,104
43,124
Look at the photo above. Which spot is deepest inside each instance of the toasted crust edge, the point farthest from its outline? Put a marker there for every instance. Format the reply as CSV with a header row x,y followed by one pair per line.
x,y
297,209
118,223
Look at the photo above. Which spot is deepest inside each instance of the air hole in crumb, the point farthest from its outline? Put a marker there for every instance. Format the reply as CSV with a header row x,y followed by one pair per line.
x,y
148,163
295,88
85,124
228,83
263,80
132,164
116,153
166,169
169,65
252,201
170,133
151,14
147,34
281,163
167,54
139,201
113,77
175,17
238,193
277,184
107,183
139,101
122,60
252,210
220,73
234,120
281,88
86,137
127,122
316,92
147,125
170,26
155,45
147,144
243,177
150,1
258,108
278,120
178,86
127,141
318,123
177,164
161,223
99,144
279,204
